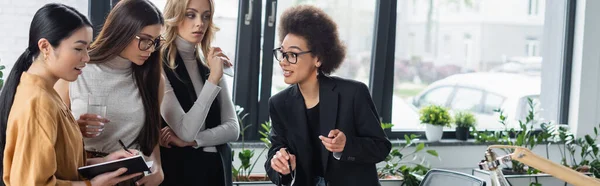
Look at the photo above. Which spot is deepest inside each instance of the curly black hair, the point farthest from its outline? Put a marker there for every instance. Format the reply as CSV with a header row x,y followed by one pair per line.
x,y
319,31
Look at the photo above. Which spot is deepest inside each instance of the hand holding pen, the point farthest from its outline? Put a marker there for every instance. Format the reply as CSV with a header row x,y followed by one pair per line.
x,y
125,153
283,162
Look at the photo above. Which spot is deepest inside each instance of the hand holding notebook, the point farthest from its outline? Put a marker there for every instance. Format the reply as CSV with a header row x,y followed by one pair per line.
x,y
134,164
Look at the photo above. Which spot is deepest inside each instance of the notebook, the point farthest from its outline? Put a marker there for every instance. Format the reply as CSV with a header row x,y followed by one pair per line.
x,y
134,164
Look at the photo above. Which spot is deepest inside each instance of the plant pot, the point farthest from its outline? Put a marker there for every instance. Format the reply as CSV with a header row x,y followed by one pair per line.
x,y
584,168
252,177
509,171
433,132
462,133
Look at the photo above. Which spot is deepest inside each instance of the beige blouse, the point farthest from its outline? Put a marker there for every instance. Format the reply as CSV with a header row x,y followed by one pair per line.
x,y
43,143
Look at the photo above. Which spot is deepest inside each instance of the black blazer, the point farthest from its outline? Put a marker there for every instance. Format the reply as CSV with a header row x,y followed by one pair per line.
x,y
345,105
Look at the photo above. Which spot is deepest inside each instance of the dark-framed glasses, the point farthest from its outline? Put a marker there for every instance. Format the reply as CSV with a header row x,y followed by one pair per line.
x,y
291,57
145,43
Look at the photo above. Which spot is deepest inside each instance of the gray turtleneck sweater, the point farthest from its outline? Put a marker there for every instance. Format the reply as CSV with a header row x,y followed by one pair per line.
x,y
124,107
191,126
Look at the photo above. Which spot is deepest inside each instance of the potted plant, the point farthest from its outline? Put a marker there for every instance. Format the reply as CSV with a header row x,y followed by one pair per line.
x,y
463,121
405,166
434,118
243,173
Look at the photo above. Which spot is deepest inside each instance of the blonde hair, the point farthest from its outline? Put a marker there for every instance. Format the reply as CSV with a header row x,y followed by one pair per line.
x,y
174,14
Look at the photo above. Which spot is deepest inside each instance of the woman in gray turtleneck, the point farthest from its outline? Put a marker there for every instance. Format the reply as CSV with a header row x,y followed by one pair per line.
x,y
197,109
125,67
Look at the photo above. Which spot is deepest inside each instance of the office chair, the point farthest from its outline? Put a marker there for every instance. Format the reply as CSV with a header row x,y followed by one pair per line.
x,y
439,177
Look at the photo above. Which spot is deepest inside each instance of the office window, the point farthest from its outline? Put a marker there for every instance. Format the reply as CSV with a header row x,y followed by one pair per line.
x,y
487,58
467,99
438,96
492,102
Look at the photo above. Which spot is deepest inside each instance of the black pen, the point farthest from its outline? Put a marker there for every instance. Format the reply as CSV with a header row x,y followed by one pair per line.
x,y
124,147
289,158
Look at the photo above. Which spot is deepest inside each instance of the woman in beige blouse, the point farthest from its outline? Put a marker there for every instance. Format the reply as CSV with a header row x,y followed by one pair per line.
x,y
41,141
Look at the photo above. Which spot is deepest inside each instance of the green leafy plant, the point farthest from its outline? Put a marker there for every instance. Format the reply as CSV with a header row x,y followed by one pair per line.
x,y
405,165
568,145
243,172
524,136
564,140
464,119
595,168
1,76
264,133
435,115
588,154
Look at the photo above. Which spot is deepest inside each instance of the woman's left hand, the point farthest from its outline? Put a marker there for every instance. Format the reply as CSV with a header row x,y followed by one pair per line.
x,y
155,178
168,137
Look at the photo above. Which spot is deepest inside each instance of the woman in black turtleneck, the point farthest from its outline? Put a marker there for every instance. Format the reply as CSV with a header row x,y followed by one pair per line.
x,y
197,109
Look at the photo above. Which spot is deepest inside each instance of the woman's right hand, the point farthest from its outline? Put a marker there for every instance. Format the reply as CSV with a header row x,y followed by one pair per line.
x,y
120,154
216,61
279,162
112,178
91,125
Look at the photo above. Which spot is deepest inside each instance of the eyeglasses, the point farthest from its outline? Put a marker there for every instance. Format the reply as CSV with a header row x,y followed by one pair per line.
x,y
146,43
291,57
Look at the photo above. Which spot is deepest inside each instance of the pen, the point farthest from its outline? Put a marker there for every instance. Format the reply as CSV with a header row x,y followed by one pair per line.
x,y
124,147
289,163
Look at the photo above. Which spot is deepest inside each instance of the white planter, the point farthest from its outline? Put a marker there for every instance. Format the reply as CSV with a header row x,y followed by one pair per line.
x,y
525,179
433,132
390,182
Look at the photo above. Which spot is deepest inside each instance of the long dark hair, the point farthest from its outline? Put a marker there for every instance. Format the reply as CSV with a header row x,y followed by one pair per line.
x,y
124,21
54,22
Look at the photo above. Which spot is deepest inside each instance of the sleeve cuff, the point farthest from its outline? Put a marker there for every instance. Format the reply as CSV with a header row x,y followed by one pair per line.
x,y
337,155
197,144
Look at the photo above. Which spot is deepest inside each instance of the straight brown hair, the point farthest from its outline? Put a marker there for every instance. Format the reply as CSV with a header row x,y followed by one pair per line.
x,y
124,21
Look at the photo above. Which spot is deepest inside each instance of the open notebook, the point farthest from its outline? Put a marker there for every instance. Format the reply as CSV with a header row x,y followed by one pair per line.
x,y
133,164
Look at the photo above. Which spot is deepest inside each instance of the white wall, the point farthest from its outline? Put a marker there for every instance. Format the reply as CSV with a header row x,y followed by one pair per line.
x,y
15,18
585,98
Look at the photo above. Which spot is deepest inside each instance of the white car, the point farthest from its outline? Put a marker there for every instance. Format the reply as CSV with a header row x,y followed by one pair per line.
x,y
482,93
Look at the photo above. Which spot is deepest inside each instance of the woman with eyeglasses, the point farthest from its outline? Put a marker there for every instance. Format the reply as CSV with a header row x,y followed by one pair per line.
x,y
326,130
125,67
198,112
40,140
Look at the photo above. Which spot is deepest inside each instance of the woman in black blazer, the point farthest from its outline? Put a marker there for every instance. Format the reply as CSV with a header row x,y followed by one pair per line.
x,y
326,130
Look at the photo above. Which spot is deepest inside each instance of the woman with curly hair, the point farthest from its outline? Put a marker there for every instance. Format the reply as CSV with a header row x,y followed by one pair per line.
x,y
326,130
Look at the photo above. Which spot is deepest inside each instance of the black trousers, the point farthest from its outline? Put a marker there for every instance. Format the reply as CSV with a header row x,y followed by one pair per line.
x,y
189,166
